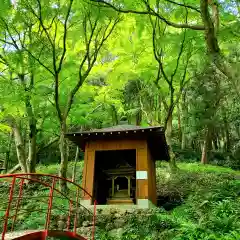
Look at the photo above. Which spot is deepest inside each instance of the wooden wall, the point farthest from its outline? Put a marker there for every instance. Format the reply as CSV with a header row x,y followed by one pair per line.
x,y
152,179
145,189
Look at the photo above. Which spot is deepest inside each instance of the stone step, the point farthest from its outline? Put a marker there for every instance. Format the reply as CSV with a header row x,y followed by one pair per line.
x,y
120,201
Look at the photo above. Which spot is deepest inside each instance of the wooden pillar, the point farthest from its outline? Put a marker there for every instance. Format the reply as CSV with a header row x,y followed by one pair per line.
x,y
142,165
129,186
152,179
88,173
113,186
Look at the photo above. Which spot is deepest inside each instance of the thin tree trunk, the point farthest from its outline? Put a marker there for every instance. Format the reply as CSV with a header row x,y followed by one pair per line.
x,y
75,165
159,112
184,111
214,140
7,158
211,24
114,115
139,118
237,128
20,148
64,159
179,124
32,142
32,122
32,152
183,143
218,141
172,162
227,134
14,169
205,149
169,125
6,162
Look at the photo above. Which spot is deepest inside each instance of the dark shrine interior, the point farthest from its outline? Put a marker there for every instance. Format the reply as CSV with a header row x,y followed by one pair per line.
x,y
105,160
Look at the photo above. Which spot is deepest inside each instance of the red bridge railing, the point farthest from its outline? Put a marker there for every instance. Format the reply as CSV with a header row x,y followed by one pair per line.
x,y
37,198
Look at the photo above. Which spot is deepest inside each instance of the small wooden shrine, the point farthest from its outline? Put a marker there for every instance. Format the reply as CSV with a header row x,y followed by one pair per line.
x,y
118,191
119,163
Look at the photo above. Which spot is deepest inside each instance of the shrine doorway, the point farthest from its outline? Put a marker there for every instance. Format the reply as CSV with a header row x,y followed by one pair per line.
x,y
115,177
121,183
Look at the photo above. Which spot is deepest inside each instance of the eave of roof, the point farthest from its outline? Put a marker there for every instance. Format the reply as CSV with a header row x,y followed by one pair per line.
x,y
118,128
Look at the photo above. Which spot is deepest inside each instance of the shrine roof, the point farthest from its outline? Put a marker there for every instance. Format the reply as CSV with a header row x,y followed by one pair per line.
x,y
155,136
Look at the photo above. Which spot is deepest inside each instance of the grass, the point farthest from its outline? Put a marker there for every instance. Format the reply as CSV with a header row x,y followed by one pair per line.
x,y
210,201
198,167
54,169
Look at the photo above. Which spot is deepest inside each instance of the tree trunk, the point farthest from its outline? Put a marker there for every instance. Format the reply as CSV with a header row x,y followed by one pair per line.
x,y
227,134
210,30
211,24
114,115
179,124
7,158
6,161
204,159
32,142
237,129
20,148
64,159
75,164
169,125
183,143
214,140
184,111
159,113
14,169
172,161
32,154
32,124
139,118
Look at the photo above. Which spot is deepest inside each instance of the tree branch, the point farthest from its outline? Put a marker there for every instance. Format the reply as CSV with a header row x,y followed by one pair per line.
x,y
152,13
14,43
48,144
179,56
99,41
65,37
184,5
158,54
38,60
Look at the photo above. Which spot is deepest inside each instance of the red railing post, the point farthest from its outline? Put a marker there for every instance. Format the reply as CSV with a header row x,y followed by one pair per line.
x,y
94,219
8,207
69,215
18,202
76,214
50,204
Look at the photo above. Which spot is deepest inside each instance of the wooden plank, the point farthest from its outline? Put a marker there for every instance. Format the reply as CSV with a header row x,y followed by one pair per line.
x,y
152,179
142,189
102,145
85,168
154,201
150,175
89,168
142,165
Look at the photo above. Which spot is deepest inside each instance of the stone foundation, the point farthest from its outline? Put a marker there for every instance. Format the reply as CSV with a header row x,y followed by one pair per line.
x,y
141,204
